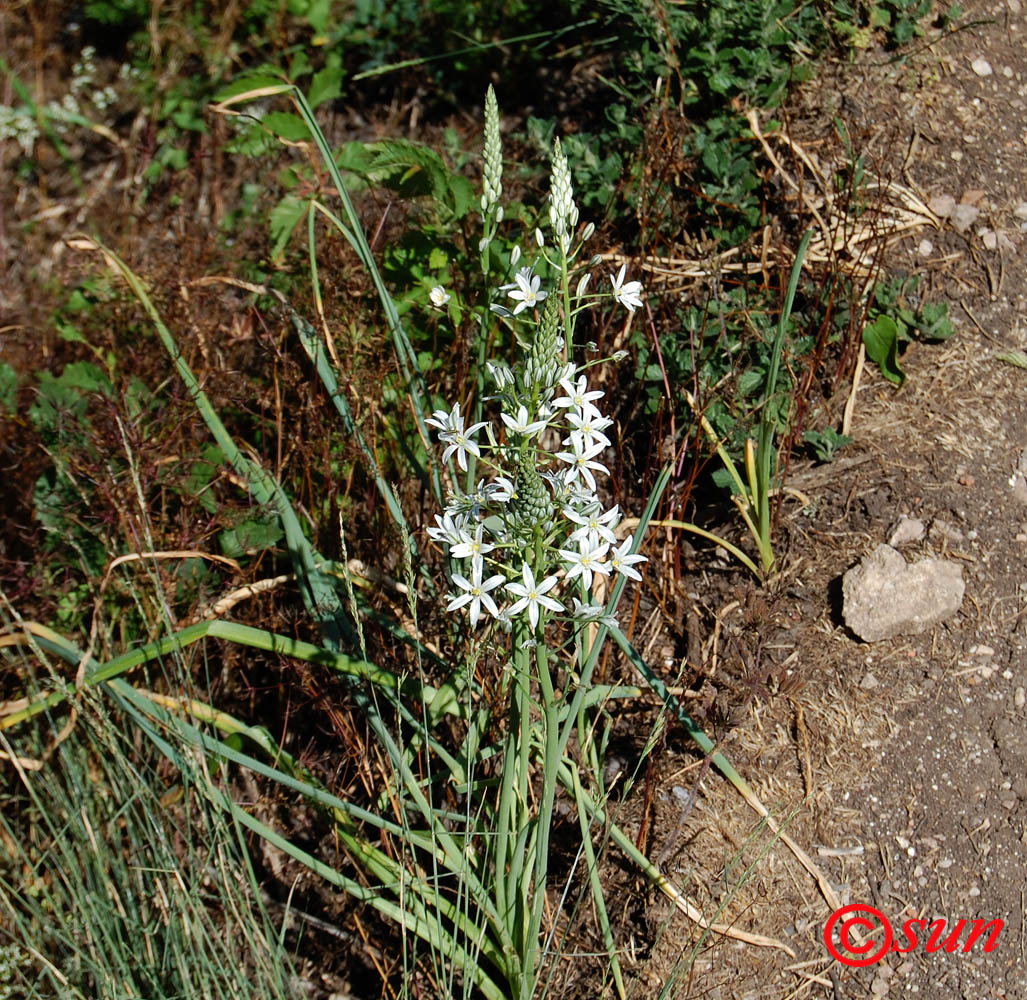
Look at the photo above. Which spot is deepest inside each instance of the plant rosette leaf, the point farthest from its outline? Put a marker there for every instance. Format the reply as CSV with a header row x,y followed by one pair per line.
x,y
881,339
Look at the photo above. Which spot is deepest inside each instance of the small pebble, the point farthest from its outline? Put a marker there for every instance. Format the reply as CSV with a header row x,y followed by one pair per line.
x,y
1020,697
879,987
981,66
869,682
943,204
909,529
925,248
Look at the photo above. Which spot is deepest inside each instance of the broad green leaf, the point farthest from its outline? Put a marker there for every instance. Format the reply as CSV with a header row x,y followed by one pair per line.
x,y
287,126
285,216
326,86
881,339
249,536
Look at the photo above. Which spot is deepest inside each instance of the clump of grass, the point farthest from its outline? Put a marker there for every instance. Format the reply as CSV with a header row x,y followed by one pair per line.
x,y
118,880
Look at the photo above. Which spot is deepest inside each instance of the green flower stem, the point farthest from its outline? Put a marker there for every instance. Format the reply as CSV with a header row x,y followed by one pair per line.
x,y
596,884
544,821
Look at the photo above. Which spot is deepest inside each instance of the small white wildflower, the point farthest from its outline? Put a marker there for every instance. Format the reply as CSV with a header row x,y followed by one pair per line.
x,y
593,613
520,423
628,295
590,425
501,490
471,548
439,296
594,524
527,293
451,529
622,561
443,420
578,395
588,560
532,596
580,459
453,434
476,594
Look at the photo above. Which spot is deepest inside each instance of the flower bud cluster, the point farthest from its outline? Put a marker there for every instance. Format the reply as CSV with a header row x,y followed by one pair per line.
x,y
563,213
493,183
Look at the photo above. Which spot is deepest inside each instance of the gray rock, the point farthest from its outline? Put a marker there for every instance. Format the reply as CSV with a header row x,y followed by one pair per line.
x,y
908,529
885,596
964,216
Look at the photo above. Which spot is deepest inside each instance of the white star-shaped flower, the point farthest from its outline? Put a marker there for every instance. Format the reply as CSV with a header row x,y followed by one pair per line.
x,y
526,294
471,548
587,561
580,461
579,396
452,433
593,523
476,593
628,295
590,424
532,596
450,529
439,296
622,561
592,613
520,424
500,490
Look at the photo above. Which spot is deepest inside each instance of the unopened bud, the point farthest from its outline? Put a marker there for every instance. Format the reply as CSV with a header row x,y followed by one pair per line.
x,y
515,255
620,356
589,230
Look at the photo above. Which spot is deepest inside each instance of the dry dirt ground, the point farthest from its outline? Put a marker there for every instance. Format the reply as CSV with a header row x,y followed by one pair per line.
x,y
902,763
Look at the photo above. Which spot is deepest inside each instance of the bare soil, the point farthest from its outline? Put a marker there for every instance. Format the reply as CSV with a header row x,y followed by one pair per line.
x,y
906,758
